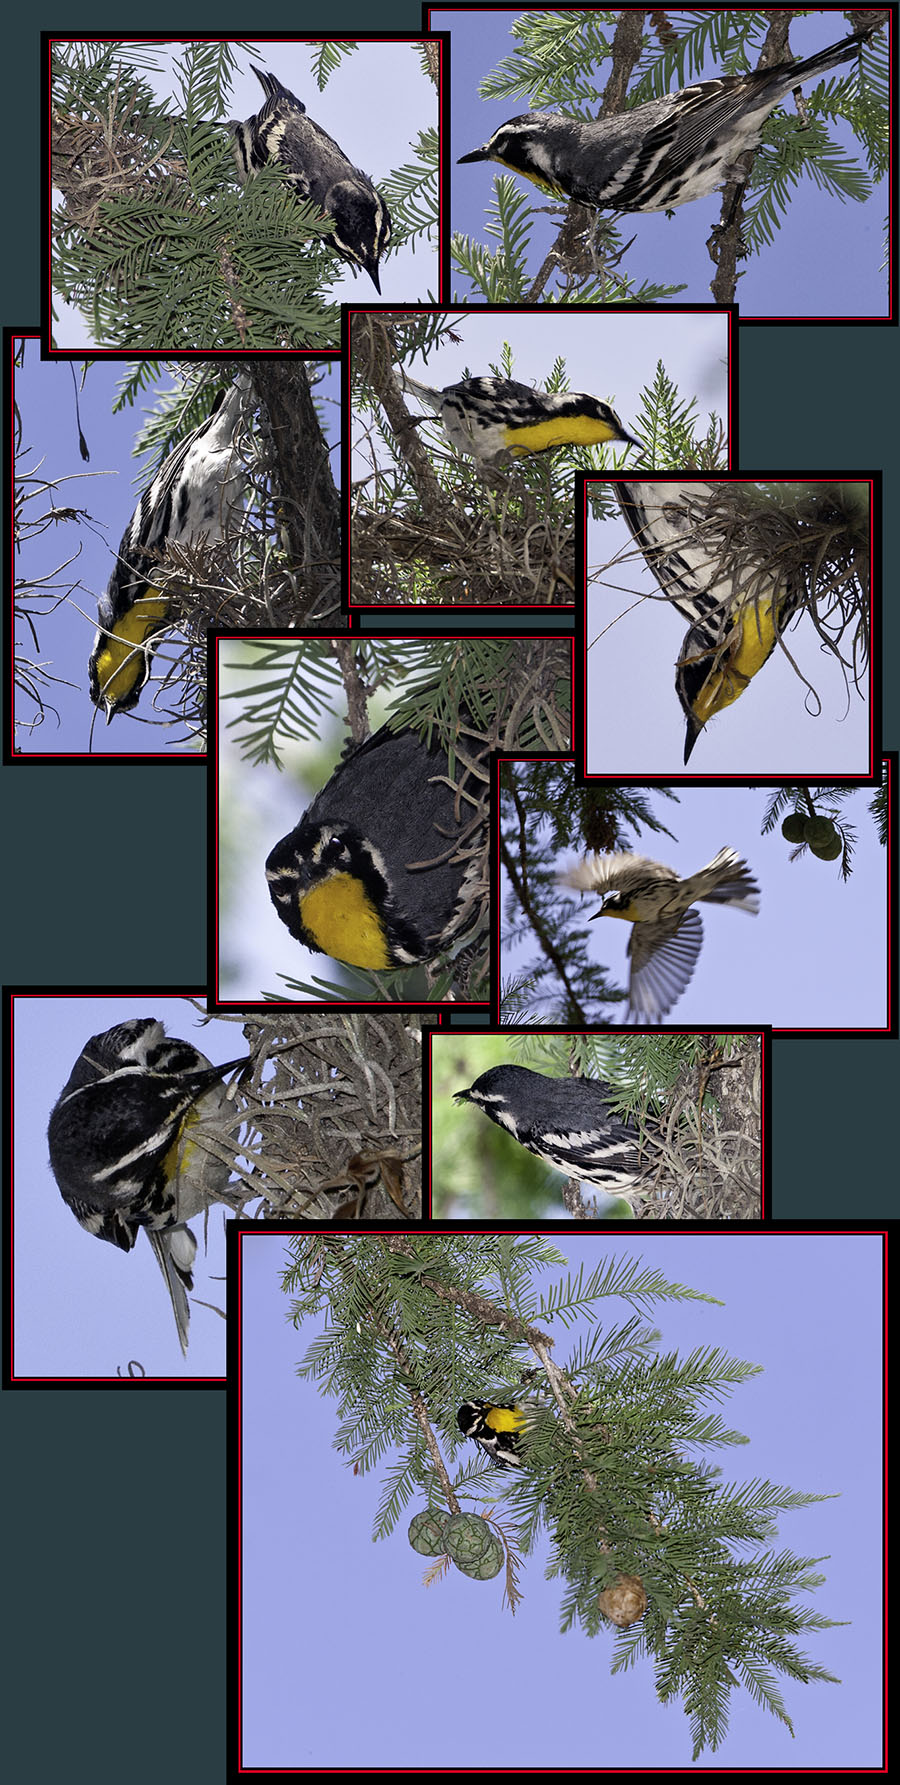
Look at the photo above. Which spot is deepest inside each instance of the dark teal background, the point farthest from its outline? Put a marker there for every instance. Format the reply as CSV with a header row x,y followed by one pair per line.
x,y
113,1503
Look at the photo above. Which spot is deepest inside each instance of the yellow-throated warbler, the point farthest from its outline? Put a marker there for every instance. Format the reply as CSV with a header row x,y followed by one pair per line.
x,y
127,1145
316,168
491,418
195,497
381,871
665,942
497,1428
566,1122
738,607
660,154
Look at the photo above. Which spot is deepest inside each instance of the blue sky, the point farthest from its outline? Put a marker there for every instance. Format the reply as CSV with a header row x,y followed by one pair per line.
x,y
813,958
83,1307
107,487
800,273
377,137
815,1290
634,718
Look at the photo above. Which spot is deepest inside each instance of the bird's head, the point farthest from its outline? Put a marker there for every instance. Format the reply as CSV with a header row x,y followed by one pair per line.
x,y
617,904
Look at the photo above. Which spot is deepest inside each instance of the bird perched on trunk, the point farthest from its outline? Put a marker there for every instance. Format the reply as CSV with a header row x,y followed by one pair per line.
x,y
128,1148
495,418
195,497
737,605
663,153
665,941
566,1122
316,168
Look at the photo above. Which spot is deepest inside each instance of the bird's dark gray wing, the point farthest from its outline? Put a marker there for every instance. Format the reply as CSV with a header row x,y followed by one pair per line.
x,y
663,957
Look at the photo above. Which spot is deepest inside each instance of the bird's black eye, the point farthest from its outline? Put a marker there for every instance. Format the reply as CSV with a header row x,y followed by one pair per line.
x,y
335,853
